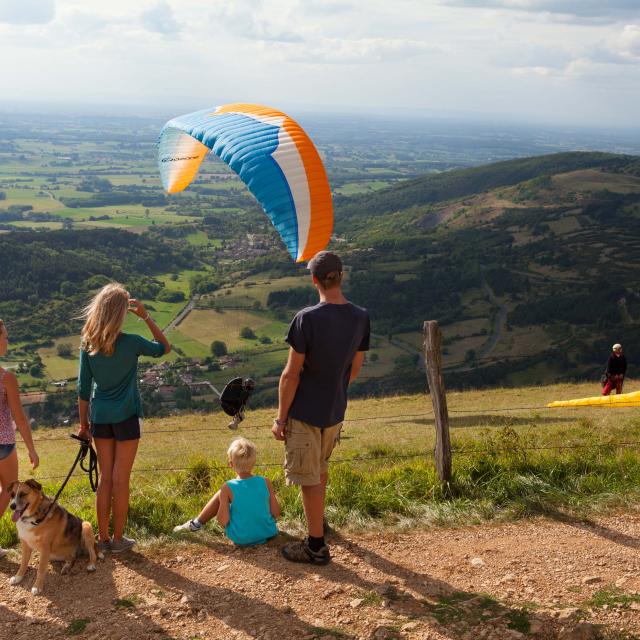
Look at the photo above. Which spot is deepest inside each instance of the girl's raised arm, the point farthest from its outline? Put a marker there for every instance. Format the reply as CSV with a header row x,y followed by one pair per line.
x,y
13,397
136,307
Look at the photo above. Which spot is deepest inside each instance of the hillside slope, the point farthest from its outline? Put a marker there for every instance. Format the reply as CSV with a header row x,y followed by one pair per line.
x,y
463,182
531,265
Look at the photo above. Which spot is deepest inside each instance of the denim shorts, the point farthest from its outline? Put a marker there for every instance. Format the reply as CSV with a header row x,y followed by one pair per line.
x,y
6,449
128,429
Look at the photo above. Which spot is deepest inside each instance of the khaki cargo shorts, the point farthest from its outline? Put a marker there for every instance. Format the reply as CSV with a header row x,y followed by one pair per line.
x,y
307,451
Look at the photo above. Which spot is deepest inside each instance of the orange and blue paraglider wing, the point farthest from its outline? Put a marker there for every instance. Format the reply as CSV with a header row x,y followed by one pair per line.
x,y
620,400
272,155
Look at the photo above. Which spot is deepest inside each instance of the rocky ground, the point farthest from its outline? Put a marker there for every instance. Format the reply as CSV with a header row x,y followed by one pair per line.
x,y
561,578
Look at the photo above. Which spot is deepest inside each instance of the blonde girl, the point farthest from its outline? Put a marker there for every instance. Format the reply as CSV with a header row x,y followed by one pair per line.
x,y
10,412
109,401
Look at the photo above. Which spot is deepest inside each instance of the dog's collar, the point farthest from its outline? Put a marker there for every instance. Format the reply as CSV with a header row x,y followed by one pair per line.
x,y
38,520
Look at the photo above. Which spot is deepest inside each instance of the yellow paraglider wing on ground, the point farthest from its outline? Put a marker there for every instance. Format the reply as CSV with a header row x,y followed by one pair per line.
x,y
622,400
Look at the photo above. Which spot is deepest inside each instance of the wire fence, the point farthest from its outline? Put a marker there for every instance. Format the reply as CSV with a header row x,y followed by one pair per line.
x,y
376,421
398,456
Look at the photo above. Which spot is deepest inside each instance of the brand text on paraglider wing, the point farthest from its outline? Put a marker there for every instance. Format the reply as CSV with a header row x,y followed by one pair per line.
x,y
170,159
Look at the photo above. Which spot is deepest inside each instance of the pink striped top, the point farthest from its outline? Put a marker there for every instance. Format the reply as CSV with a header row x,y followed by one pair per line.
x,y
7,430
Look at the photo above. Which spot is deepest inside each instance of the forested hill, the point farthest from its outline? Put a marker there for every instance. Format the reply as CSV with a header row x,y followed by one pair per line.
x,y
48,277
532,266
458,183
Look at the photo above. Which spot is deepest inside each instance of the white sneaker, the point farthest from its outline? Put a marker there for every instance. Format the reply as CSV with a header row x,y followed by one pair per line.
x,y
187,526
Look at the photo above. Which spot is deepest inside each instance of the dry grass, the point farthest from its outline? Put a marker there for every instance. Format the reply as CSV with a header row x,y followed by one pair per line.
x,y
512,457
400,422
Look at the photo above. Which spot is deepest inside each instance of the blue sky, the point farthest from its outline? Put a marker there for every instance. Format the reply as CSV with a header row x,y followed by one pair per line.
x,y
531,60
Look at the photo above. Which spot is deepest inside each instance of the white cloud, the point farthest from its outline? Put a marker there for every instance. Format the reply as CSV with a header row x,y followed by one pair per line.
x,y
325,7
23,12
255,20
360,51
589,9
160,19
629,42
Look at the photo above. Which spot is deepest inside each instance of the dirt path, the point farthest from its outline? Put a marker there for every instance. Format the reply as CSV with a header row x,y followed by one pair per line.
x,y
499,323
541,575
182,315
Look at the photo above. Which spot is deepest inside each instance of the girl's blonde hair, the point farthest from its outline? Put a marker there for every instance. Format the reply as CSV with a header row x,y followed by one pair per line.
x,y
242,455
104,317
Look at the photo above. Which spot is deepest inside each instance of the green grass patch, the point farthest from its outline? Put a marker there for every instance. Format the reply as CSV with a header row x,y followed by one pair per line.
x,y
334,632
371,599
474,609
77,626
611,596
519,620
129,602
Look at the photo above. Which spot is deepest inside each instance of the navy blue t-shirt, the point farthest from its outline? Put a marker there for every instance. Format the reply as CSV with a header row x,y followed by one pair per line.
x,y
329,335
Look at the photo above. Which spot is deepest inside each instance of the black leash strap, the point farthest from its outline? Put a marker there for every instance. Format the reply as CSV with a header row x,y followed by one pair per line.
x,y
91,471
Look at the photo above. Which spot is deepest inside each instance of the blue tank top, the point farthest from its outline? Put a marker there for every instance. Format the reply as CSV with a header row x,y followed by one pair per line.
x,y
251,520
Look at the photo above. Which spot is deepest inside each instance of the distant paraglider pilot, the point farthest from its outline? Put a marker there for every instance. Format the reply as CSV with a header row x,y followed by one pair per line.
x,y
615,372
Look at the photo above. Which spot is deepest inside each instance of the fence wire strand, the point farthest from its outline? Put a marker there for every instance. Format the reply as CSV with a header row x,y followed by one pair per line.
x,y
394,419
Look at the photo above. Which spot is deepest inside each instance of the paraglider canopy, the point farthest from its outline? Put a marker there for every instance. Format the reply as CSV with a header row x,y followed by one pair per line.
x,y
620,400
273,156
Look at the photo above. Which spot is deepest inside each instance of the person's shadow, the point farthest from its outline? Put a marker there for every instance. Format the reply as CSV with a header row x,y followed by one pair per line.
x,y
375,580
218,611
80,600
107,603
234,606
34,626
591,526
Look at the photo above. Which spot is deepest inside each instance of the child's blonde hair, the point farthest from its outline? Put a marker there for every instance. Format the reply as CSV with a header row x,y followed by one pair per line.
x,y
242,455
104,317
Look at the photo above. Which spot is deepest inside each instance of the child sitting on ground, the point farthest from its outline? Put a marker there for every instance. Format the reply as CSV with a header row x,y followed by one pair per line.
x,y
245,507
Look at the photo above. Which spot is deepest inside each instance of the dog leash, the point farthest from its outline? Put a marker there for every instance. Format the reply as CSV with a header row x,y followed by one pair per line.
x,y
91,471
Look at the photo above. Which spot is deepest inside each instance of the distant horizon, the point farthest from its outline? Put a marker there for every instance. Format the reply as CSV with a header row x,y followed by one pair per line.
x,y
146,110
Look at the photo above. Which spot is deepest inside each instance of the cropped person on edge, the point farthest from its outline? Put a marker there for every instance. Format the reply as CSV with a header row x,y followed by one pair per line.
x,y
10,412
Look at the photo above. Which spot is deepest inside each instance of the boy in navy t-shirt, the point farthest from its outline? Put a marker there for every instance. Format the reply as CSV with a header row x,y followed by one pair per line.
x,y
328,342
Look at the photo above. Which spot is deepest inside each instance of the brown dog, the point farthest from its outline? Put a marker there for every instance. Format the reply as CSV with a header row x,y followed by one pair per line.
x,y
57,536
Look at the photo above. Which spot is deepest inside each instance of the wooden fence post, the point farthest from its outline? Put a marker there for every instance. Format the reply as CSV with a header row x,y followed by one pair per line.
x,y
433,360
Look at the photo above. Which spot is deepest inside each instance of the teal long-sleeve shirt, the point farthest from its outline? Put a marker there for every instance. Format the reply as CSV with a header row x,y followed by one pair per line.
x,y
110,382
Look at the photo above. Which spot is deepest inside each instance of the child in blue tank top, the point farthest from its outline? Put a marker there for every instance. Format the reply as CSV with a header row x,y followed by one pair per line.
x,y
247,506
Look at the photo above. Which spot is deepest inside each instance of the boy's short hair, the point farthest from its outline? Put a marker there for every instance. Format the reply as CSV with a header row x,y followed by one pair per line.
x,y
242,455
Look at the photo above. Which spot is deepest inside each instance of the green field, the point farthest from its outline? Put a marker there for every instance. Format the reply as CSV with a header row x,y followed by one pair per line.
x,y
364,186
58,368
205,326
258,287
